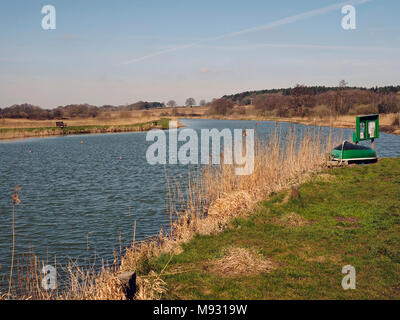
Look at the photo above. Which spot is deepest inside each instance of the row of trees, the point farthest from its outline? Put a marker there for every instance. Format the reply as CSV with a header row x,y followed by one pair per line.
x,y
190,102
318,101
29,111
245,98
302,101
298,101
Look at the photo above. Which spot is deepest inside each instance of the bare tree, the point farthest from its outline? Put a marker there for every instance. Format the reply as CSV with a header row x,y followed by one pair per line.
x,y
301,98
266,102
340,103
343,84
190,102
171,103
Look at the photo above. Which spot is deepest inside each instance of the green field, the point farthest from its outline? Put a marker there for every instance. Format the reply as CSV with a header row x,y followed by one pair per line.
x,y
345,216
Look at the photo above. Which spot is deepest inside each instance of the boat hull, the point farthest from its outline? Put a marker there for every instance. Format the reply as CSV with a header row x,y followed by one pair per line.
x,y
353,153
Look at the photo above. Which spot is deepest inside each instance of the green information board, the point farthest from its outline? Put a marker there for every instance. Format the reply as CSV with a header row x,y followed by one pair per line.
x,y
367,128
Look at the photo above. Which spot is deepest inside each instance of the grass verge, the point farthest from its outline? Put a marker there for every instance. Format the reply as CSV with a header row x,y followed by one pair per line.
x,y
346,216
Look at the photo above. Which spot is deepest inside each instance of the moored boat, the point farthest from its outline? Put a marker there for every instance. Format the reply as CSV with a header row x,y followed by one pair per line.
x,y
353,153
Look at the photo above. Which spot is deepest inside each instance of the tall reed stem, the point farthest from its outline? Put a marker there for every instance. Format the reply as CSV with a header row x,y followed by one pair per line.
x,y
13,249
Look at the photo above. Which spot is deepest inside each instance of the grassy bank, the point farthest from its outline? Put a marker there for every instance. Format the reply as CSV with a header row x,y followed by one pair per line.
x,y
295,249
25,132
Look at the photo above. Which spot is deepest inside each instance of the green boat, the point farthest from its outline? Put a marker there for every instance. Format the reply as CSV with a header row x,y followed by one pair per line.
x,y
353,153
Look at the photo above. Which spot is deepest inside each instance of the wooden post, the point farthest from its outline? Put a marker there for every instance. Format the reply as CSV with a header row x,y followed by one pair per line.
x,y
373,143
128,282
295,192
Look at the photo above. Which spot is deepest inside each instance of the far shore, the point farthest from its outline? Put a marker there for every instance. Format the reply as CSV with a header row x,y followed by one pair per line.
x,y
344,122
37,131
11,129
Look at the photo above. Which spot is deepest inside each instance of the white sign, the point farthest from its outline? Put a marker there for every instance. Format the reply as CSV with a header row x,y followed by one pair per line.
x,y
362,130
371,129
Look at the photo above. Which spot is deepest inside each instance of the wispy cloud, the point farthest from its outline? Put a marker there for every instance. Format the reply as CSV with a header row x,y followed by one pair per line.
x,y
265,27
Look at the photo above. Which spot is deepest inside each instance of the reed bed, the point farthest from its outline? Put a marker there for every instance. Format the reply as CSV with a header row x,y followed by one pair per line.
x,y
210,199
214,195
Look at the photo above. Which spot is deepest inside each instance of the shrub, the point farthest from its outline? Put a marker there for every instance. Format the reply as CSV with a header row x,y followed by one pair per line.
x,y
125,115
365,109
221,106
104,116
282,112
241,110
322,111
175,112
396,121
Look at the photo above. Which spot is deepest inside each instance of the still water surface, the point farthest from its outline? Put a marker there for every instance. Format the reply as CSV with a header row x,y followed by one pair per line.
x,y
79,200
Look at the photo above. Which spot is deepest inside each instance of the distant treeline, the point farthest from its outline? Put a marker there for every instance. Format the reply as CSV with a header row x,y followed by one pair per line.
x,y
244,98
28,111
298,101
321,101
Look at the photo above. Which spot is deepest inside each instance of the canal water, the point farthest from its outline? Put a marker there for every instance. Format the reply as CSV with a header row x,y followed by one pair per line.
x,y
80,200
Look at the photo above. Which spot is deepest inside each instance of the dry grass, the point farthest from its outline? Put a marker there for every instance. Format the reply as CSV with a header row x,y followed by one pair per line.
x,y
82,283
324,177
26,285
110,118
292,220
105,122
241,262
88,128
103,285
396,121
151,287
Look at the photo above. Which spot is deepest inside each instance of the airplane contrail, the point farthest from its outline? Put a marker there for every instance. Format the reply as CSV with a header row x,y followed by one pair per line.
x,y
298,46
271,25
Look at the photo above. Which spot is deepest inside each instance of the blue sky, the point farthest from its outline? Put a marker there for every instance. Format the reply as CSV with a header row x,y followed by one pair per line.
x,y
118,52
